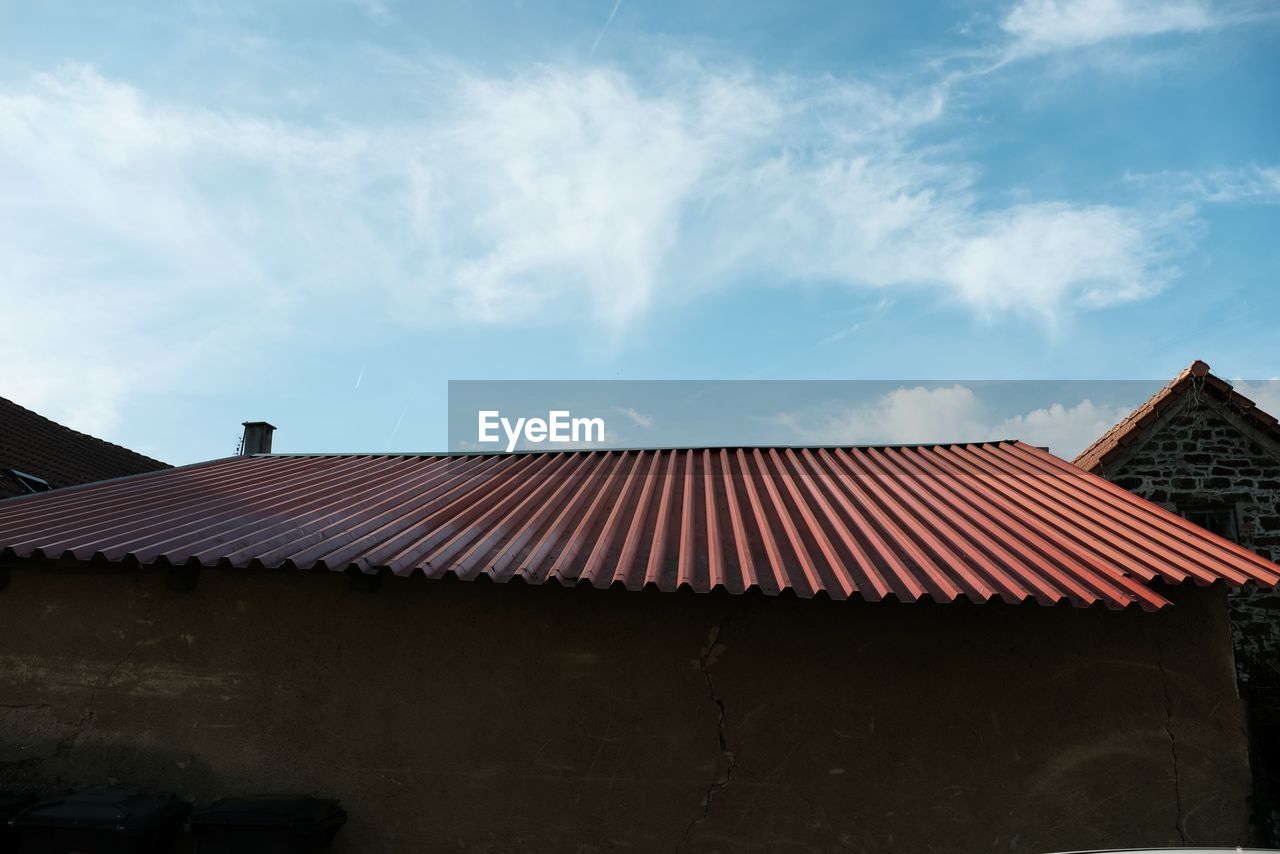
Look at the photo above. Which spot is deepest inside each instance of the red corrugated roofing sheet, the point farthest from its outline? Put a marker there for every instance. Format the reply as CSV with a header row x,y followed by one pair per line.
x,y
995,521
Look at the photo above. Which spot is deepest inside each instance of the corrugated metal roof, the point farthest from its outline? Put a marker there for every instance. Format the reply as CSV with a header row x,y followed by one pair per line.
x,y
994,521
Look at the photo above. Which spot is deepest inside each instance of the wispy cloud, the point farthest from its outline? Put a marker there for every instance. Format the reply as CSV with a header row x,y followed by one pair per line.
x,y
1252,184
113,248
904,415
584,181
378,11
951,414
1043,26
1264,393
157,242
564,192
639,419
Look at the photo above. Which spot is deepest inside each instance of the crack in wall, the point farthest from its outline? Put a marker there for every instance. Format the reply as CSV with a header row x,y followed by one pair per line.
x,y
1173,742
704,662
90,712
66,745
85,723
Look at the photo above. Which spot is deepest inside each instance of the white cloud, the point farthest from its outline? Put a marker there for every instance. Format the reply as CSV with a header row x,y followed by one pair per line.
x,y
570,185
1246,185
1250,184
378,11
156,241
1036,255
904,415
1042,26
135,254
583,184
951,414
1264,393
639,419
1065,430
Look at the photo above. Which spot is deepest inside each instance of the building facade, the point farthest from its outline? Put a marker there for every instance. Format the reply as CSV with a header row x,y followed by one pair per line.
x,y
1201,449
958,647
458,716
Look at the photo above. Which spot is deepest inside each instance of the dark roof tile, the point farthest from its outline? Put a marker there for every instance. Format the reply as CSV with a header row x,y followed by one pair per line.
x,y
34,445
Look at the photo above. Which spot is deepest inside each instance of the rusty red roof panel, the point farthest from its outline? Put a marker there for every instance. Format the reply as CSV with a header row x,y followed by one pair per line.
x,y
993,521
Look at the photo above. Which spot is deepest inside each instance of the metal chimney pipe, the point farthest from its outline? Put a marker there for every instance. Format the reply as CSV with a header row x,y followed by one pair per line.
x,y
257,438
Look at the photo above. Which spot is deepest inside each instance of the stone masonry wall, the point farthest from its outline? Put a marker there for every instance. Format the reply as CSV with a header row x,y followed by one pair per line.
x,y
1202,457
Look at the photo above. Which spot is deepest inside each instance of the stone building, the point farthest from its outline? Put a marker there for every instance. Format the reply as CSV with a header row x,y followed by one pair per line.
x,y
1200,448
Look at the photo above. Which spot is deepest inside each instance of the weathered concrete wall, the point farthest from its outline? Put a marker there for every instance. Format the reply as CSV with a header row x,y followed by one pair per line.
x,y
469,717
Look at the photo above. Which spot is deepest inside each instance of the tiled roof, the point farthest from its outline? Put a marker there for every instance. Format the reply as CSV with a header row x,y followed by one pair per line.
x,y
993,521
1195,376
34,445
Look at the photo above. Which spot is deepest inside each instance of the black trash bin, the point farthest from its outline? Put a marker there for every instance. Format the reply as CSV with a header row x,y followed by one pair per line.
x,y
101,821
267,824
11,803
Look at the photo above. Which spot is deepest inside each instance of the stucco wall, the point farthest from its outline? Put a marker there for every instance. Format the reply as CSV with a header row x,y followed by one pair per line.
x,y
1205,454
467,717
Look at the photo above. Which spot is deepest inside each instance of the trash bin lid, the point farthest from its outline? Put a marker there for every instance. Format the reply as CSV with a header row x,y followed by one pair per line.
x,y
106,809
12,803
294,811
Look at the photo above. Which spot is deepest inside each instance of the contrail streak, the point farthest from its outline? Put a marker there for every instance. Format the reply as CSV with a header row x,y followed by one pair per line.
x,y
596,43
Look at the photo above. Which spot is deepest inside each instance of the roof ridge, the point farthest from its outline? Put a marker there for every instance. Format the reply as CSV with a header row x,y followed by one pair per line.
x,y
83,435
549,451
1111,441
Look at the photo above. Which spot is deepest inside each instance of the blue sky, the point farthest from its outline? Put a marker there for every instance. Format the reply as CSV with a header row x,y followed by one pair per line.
x,y
319,214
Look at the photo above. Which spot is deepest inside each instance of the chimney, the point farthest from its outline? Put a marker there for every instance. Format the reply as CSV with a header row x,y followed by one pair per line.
x,y
257,438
